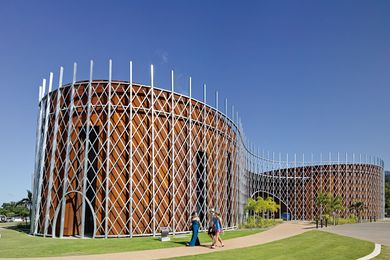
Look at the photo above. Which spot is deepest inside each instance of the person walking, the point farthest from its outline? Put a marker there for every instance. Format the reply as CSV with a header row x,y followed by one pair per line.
x,y
217,230
195,228
210,230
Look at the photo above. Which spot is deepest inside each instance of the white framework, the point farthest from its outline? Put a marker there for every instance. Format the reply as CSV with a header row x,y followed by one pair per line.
x,y
197,146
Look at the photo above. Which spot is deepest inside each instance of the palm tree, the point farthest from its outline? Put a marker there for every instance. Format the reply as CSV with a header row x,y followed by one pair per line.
x,y
27,202
322,201
335,206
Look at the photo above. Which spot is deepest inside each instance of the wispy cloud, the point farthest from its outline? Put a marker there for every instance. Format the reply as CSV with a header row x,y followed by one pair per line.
x,y
162,56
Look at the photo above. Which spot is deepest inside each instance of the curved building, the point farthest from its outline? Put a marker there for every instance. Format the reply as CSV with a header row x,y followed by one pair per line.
x,y
120,159
295,188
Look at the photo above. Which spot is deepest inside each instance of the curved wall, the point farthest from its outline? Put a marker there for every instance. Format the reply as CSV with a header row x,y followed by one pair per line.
x,y
296,188
118,159
122,160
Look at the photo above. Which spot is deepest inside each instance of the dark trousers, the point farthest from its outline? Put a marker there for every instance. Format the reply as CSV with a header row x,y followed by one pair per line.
x,y
194,239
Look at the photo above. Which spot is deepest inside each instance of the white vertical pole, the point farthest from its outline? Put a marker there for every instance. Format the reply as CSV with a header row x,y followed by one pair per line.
x,y
205,150
190,145
43,154
258,169
235,171
321,172
303,186
54,148
346,185
216,167
108,148
288,190
37,153
50,83
280,185
40,94
131,149
330,172
173,150
239,166
358,173
353,178
273,177
46,214
295,186
321,169
337,175
68,147
153,172
43,87
273,174
227,178
312,186
86,149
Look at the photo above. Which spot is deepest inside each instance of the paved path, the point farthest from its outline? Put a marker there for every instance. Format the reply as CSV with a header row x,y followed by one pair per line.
x,y
378,232
278,232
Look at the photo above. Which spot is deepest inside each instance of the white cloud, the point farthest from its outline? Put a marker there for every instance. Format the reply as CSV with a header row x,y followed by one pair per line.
x,y
164,57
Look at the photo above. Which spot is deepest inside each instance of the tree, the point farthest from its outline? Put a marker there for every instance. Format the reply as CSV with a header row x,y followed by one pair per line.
x,y
27,203
322,202
250,205
335,206
261,206
357,207
387,198
9,208
271,206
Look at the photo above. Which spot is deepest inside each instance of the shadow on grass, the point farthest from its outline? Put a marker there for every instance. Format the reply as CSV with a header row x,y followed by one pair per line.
x,y
180,242
311,227
20,228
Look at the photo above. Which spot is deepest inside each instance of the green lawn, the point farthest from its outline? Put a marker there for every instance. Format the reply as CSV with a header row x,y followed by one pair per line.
x,y
6,224
385,253
309,245
18,244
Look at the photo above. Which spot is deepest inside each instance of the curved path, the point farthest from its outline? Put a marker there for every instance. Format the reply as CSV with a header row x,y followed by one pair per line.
x,y
284,230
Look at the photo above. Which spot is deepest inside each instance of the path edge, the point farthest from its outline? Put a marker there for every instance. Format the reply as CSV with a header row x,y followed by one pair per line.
x,y
376,252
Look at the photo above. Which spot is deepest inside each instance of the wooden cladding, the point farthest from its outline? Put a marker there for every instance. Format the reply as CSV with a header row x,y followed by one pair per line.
x,y
132,161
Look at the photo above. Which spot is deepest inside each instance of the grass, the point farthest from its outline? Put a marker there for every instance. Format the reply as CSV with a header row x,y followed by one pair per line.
x,y
385,253
7,224
18,244
309,245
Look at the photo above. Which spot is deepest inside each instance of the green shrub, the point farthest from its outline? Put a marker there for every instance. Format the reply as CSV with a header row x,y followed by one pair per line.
x,y
351,220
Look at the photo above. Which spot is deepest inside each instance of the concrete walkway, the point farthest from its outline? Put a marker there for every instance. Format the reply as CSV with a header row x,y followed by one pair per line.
x,y
284,230
378,232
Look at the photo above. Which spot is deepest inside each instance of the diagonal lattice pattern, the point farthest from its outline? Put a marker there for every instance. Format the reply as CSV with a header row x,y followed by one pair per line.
x,y
136,159
119,159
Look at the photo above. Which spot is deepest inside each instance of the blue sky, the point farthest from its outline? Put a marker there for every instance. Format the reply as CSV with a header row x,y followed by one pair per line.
x,y
305,76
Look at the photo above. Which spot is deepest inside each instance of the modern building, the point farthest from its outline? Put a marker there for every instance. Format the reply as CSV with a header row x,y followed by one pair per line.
x,y
121,159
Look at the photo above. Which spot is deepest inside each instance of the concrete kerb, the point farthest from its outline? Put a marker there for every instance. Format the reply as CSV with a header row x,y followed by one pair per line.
x,y
376,252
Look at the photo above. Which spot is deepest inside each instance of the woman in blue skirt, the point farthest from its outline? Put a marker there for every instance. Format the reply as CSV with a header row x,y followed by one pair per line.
x,y
195,228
